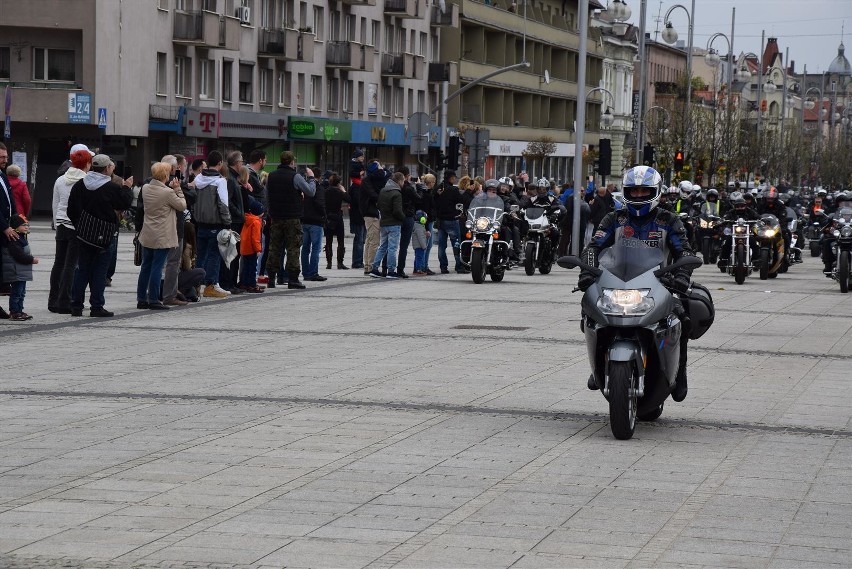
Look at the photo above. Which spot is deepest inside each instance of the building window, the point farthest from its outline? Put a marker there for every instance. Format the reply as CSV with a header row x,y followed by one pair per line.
x,y
285,89
227,78
375,37
53,64
333,92
264,79
316,92
245,85
421,49
5,63
399,101
182,75
267,11
347,96
300,91
386,100
161,74
180,5
360,108
207,79
208,5
319,22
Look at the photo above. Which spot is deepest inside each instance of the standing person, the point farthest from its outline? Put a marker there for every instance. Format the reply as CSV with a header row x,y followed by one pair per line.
x,y
18,267
211,215
197,166
256,165
356,220
65,259
368,198
95,198
286,189
428,206
601,204
250,246
313,224
392,216
7,209
410,204
419,239
447,197
20,191
335,196
237,203
171,272
158,236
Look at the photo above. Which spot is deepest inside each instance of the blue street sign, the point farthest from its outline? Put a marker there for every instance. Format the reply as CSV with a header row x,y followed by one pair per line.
x,y
102,118
80,108
7,131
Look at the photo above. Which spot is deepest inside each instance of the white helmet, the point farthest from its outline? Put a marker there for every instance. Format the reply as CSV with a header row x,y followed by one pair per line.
x,y
696,189
506,180
685,188
642,178
543,183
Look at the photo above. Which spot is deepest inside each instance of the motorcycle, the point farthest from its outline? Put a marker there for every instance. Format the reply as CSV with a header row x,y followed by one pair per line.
x,y
842,231
768,233
709,237
539,251
739,261
484,253
794,255
813,232
633,325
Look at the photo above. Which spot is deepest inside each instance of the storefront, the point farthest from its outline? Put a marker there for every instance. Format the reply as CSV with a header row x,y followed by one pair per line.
x,y
506,157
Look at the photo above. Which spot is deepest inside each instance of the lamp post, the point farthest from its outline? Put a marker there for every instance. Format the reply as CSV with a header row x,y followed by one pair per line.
x,y
670,36
607,119
713,60
743,74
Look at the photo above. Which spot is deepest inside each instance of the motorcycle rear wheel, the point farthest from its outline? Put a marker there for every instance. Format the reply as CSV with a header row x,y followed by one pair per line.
x,y
622,407
478,267
740,270
529,258
546,260
815,248
843,271
652,415
764,264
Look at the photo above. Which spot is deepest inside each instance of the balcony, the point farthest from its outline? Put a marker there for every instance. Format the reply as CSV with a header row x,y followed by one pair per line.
x,y
398,65
405,8
279,43
348,55
439,72
305,43
207,29
360,2
450,17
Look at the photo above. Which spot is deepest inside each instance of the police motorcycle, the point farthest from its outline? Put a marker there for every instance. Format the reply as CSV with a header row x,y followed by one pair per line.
x,y
539,251
483,252
771,242
841,229
633,325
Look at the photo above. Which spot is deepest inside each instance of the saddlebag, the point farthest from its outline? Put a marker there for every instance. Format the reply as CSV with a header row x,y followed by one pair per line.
x,y
701,311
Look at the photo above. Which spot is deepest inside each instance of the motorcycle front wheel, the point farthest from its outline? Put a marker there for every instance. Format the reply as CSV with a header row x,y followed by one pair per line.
x,y
546,259
815,248
740,270
622,407
477,266
529,258
764,264
497,274
843,271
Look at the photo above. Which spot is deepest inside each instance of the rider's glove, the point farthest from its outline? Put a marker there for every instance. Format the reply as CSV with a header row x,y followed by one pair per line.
x,y
585,281
681,283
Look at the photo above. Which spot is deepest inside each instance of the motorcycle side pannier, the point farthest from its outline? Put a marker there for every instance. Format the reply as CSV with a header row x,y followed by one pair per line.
x,y
701,311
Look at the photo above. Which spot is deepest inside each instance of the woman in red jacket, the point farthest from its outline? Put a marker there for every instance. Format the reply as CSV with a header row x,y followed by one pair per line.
x,y
20,192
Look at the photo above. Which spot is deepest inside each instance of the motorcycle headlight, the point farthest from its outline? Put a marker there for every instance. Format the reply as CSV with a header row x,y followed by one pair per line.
x,y
770,232
846,231
482,223
704,224
625,302
727,231
740,229
836,233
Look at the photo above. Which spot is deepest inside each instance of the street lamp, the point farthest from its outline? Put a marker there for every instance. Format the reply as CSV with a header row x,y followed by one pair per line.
x,y
712,59
620,14
670,36
607,118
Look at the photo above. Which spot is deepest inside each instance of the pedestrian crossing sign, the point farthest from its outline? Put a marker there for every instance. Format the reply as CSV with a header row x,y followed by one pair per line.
x,y
102,117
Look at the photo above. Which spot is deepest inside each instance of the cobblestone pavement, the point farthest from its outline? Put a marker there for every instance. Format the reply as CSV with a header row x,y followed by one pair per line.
x,y
372,423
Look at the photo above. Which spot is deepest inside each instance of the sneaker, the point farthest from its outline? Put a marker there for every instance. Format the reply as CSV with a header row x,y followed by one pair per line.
x,y
401,274
341,267
210,291
445,271
76,312
253,289
374,274
393,275
175,302
142,305
419,273
101,313
296,284
217,288
317,278
236,290
157,306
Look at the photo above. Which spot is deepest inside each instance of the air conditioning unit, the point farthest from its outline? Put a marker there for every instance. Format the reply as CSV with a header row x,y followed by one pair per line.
x,y
244,14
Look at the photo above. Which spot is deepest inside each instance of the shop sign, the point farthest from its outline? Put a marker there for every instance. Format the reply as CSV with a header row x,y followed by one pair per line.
x,y
319,129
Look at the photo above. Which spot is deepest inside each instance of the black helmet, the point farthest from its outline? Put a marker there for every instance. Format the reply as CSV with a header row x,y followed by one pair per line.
x,y
712,193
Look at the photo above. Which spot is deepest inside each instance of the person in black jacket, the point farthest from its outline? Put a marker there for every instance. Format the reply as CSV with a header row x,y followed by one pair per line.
x,y
335,197
7,210
313,222
447,202
96,196
411,202
356,220
285,189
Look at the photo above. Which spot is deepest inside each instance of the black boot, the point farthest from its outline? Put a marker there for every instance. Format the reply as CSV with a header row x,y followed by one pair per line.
x,y
680,389
271,282
591,383
294,282
341,253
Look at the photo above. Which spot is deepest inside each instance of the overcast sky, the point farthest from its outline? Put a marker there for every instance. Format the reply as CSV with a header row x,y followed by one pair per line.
x,y
811,29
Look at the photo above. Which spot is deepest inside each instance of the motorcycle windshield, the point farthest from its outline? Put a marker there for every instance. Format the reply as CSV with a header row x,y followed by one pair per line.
x,y
629,258
534,212
769,219
492,213
845,215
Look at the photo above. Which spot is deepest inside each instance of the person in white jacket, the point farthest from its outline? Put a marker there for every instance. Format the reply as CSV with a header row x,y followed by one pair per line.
x,y
62,273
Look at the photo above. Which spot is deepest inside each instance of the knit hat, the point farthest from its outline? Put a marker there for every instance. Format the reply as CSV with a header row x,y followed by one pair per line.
x,y
256,207
358,153
373,167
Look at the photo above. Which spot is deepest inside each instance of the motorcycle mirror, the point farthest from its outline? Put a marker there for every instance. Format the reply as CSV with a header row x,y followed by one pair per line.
x,y
689,262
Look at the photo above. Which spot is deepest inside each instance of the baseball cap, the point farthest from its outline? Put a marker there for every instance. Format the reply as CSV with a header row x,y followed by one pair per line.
x,y
100,161
78,147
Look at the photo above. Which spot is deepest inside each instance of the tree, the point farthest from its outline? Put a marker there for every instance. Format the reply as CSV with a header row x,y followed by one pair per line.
x,y
538,150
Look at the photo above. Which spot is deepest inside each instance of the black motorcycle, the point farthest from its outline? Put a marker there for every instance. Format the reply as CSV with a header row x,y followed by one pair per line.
x,y
771,243
483,251
709,237
842,231
539,251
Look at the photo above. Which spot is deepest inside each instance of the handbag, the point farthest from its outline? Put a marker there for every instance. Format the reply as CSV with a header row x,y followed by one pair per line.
x,y
95,232
137,251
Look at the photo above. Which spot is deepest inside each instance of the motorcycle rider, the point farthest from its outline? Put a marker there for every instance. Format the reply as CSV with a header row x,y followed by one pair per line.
x,y
712,206
554,208
739,210
843,200
642,220
511,222
771,204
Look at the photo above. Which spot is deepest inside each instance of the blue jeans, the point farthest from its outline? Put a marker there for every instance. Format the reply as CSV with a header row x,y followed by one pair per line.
x,y
360,231
248,270
92,267
448,228
311,247
429,241
16,296
405,241
388,245
208,257
419,260
150,274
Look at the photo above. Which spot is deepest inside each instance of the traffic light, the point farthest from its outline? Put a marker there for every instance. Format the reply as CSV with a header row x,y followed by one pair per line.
x,y
453,153
605,157
678,161
442,161
648,155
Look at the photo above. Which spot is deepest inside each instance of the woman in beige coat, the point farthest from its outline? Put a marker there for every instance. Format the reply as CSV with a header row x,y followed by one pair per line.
x,y
158,235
